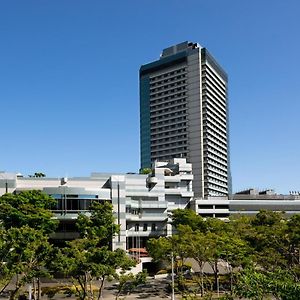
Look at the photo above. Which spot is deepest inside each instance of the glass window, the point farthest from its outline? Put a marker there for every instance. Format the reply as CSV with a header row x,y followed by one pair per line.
x,y
145,228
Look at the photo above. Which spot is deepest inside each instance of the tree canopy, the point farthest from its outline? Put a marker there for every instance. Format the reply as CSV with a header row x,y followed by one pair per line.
x,y
26,223
90,258
30,208
261,252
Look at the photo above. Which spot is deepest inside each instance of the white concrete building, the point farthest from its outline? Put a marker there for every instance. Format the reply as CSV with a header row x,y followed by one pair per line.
x,y
142,203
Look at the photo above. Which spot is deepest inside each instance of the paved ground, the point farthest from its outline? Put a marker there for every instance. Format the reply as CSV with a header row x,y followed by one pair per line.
x,y
153,289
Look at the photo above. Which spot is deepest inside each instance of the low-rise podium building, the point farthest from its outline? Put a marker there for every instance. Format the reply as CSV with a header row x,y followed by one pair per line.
x,y
141,203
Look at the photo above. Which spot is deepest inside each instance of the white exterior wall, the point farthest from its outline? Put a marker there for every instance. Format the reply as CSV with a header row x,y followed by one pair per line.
x,y
145,196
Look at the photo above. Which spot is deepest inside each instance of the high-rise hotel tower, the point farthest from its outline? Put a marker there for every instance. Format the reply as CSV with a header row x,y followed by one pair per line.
x,y
184,113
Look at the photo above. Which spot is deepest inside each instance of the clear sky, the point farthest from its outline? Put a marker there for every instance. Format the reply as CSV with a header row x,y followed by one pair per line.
x,y
69,82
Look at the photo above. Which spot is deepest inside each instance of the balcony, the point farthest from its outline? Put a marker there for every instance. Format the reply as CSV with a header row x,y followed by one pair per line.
x,y
147,217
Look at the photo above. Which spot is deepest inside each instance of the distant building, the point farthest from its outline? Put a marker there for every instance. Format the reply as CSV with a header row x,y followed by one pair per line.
x,y
184,113
251,201
247,202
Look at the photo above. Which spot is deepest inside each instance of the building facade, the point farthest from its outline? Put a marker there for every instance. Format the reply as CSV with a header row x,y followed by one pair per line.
x,y
248,202
184,113
141,203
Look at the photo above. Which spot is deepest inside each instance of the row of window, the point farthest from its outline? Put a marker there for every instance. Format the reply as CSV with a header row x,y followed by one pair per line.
x,y
211,180
209,130
133,211
74,204
215,129
208,80
167,86
211,173
205,215
217,100
210,124
214,102
215,187
169,121
209,137
169,145
163,140
215,145
170,156
209,167
213,156
208,117
163,100
214,117
168,127
209,108
178,89
209,70
214,151
165,75
169,106
169,79
145,227
167,133
168,115
212,206
216,192
162,152
215,162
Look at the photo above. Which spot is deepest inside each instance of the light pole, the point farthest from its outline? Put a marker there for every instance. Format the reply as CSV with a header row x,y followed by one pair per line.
x,y
172,267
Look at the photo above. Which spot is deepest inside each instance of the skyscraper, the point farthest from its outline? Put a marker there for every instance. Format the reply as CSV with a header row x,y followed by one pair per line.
x,y
184,113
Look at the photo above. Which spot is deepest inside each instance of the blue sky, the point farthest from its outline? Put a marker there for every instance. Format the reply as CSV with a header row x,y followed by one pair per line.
x,y
69,82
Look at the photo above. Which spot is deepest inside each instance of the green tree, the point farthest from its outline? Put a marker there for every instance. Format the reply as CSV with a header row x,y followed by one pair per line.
x,y
252,285
26,222
128,282
30,208
100,224
24,252
257,284
160,248
90,258
197,249
267,240
37,175
292,242
163,248
188,217
146,171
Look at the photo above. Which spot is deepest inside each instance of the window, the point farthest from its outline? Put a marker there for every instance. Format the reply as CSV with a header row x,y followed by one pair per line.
x,y
153,227
206,215
137,227
222,206
222,215
145,228
205,206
